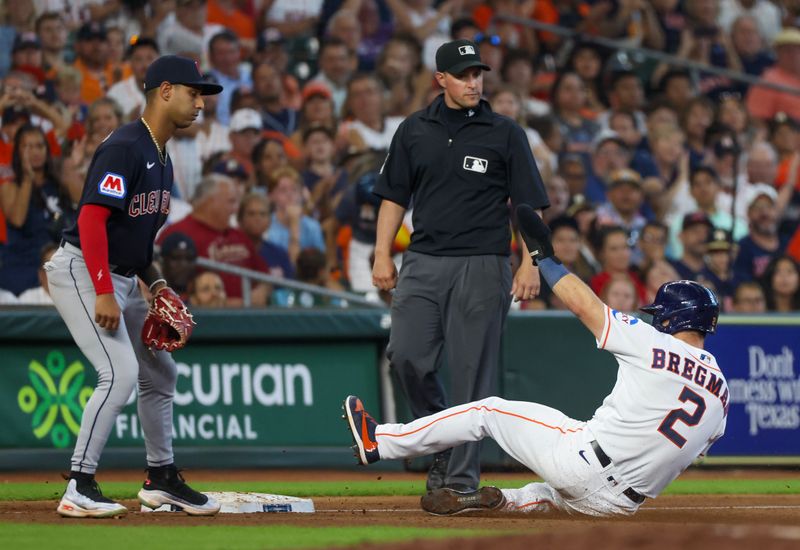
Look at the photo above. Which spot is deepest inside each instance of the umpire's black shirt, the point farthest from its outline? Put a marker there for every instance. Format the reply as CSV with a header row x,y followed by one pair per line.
x,y
460,177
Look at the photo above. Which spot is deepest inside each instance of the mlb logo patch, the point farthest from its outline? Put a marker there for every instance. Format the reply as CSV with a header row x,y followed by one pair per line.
x,y
474,164
624,317
112,185
466,50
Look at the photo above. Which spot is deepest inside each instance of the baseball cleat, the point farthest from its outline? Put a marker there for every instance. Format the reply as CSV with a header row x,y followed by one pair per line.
x,y
165,485
449,502
86,501
362,428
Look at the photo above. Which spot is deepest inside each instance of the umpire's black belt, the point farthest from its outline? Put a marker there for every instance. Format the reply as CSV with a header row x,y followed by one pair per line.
x,y
602,457
116,269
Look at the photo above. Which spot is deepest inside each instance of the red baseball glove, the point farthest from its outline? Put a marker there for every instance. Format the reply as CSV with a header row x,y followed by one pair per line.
x,y
168,324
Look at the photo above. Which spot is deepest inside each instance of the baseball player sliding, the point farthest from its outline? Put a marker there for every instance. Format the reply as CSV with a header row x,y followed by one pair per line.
x,y
668,406
93,282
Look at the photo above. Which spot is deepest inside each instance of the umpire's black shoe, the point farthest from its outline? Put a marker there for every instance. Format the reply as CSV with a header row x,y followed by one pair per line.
x,y
165,485
438,470
449,502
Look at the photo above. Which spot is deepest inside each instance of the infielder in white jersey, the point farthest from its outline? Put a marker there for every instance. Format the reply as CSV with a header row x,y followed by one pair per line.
x,y
668,406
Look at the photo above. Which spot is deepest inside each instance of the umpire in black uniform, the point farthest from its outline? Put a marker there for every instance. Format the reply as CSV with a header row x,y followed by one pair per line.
x,y
459,163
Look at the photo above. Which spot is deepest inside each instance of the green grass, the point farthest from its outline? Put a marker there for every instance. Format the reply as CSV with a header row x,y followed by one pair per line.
x,y
128,490
202,537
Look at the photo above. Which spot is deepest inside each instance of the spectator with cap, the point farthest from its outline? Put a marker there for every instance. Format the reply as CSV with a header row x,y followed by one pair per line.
x,y
694,236
52,32
245,133
337,64
317,110
719,258
178,262
224,56
763,242
268,89
749,298
764,103
26,56
625,200
129,93
212,136
93,61
187,31
270,49
233,169
609,154
781,283
215,202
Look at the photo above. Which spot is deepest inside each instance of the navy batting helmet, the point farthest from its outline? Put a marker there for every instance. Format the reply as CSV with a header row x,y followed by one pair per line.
x,y
684,305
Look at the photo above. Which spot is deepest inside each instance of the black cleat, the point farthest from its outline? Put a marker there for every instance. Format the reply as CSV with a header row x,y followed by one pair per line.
x,y
165,485
449,502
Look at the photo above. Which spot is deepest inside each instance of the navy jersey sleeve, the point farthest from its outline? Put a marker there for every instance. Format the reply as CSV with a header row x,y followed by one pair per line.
x,y
394,181
524,181
111,177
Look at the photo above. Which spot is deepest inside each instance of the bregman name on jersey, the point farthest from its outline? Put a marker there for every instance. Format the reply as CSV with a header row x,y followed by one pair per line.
x,y
691,370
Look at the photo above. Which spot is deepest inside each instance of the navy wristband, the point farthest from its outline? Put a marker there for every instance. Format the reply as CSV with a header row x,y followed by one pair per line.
x,y
552,270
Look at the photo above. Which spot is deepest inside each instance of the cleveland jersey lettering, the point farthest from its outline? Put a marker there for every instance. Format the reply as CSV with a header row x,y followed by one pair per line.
x,y
133,183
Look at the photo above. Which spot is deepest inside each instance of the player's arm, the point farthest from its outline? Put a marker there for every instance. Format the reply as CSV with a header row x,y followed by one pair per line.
x,y
384,272
94,246
573,292
152,277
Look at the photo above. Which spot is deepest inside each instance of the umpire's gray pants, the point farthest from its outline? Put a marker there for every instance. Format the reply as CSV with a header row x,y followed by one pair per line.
x,y
450,308
120,359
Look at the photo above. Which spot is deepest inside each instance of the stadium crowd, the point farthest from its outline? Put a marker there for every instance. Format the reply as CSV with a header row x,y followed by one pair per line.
x,y
654,172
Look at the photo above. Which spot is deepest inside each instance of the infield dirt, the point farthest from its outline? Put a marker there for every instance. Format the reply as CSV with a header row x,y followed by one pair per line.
x,y
672,521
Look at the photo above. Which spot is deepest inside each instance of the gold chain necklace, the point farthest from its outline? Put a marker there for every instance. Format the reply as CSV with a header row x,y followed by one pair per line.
x,y
161,156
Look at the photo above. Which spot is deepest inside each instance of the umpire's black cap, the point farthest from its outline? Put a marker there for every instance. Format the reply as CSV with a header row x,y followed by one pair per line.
x,y
178,70
459,55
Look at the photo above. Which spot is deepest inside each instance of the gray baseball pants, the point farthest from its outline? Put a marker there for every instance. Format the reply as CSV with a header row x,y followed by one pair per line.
x,y
449,308
120,359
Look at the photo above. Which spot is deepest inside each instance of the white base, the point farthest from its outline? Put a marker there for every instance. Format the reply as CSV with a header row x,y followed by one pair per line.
x,y
248,503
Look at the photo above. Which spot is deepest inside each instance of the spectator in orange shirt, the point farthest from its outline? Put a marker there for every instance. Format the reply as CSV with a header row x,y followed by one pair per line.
x,y
226,13
765,103
93,61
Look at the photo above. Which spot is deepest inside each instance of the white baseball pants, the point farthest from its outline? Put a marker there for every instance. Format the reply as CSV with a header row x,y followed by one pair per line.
x,y
554,446
120,359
